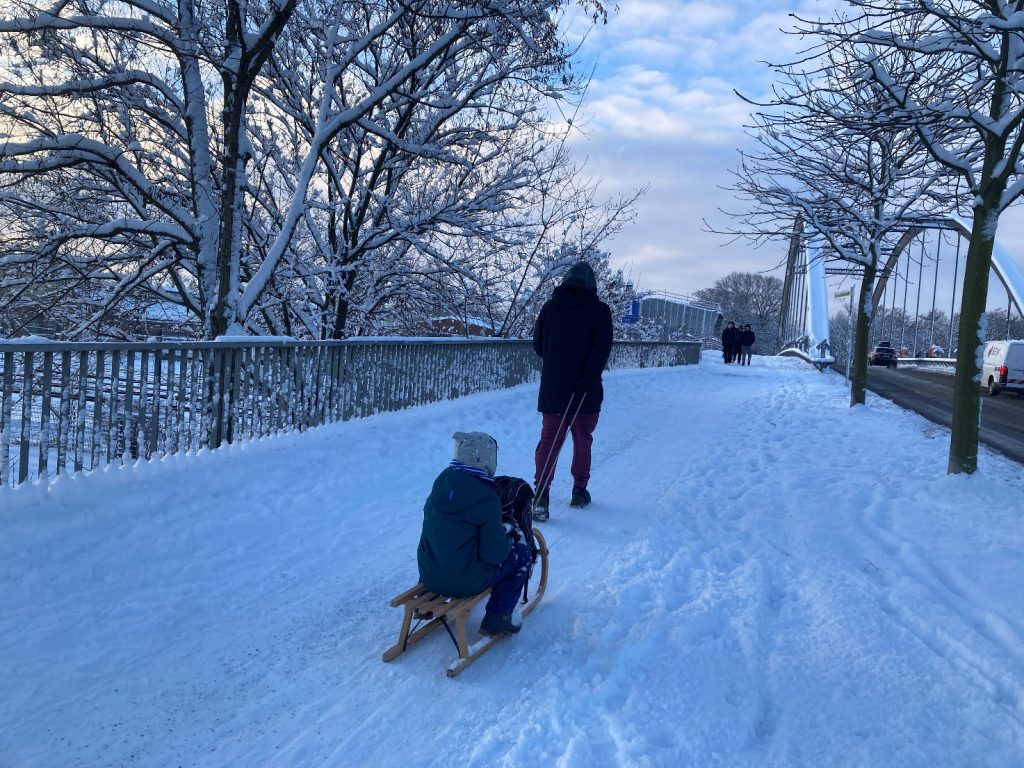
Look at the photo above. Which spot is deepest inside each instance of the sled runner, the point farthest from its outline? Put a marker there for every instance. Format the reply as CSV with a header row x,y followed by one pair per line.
x,y
425,611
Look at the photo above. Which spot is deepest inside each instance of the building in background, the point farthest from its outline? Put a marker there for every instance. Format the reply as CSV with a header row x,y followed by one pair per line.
x,y
676,315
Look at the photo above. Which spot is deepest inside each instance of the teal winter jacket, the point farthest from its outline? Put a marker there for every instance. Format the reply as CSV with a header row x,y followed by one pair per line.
x,y
463,541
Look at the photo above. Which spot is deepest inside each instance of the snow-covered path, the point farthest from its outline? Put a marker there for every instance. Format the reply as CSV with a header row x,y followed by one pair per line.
x,y
766,578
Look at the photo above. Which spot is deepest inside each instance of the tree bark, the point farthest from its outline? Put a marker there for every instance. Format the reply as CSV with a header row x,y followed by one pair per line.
x,y
862,333
963,444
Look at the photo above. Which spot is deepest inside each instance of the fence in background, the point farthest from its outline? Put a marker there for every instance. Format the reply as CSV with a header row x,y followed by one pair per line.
x,y
77,407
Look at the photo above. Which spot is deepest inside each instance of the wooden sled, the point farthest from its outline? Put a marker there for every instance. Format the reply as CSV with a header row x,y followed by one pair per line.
x,y
426,611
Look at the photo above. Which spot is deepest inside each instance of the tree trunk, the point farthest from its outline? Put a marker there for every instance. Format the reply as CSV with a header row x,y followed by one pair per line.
x,y
243,59
963,443
225,310
861,336
205,203
344,299
224,314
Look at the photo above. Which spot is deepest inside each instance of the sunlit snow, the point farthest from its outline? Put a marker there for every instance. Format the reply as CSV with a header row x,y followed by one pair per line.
x,y
766,578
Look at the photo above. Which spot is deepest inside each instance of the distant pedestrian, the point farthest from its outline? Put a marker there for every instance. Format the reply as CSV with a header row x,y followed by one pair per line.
x,y
747,340
573,336
729,341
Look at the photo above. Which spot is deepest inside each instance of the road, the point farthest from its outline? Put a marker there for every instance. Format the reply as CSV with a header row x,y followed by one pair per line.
x,y
930,393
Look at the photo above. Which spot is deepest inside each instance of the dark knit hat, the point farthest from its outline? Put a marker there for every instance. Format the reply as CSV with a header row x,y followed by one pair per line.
x,y
476,449
581,273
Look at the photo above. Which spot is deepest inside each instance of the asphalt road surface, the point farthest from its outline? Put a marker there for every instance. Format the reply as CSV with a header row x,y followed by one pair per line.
x,y
930,393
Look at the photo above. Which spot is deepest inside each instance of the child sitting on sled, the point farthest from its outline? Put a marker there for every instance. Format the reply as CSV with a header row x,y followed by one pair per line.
x,y
465,546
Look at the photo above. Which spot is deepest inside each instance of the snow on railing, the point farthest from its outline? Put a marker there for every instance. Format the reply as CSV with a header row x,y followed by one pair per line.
x,y
76,407
941,363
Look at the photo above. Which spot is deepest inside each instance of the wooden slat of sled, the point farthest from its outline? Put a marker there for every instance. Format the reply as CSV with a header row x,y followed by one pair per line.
x,y
419,604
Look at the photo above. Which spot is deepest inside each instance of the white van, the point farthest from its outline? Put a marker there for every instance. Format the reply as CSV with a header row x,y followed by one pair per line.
x,y
1003,367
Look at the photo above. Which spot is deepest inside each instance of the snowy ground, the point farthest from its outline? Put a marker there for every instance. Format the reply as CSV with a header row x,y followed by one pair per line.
x,y
766,578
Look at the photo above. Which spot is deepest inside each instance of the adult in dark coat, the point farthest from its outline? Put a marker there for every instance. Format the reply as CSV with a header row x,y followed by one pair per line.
x,y
464,548
747,340
737,345
573,336
729,341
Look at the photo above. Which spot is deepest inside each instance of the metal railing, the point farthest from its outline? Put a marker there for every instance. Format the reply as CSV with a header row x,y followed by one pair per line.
x,y
941,363
79,407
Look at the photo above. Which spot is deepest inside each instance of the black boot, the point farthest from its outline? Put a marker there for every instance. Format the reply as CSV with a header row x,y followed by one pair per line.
x,y
580,497
540,509
497,626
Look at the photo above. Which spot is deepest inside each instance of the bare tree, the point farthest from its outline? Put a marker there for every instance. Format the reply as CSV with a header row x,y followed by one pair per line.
x,y
962,95
136,128
141,108
853,183
749,297
1004,323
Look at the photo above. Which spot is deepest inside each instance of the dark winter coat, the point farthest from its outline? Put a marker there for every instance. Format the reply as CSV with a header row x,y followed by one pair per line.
x,y
729,338
747,338
573,336
463,541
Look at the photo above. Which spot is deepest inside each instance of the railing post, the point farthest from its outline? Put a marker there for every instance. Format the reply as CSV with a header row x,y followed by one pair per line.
x,y
6,405
112,425
26,416
233,410
153,438
64,412
130,448
44,414
83,383
215,382
142,412
97,408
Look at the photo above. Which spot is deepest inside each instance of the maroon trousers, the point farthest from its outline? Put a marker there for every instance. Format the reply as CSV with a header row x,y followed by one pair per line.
x,y
551,439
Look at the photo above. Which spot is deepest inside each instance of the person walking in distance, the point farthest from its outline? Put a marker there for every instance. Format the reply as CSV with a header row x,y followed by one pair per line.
x,y
737,345
573,336
729,341
747,340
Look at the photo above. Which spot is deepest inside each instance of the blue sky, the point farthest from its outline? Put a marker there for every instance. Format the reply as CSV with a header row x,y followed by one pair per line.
x,y
662,112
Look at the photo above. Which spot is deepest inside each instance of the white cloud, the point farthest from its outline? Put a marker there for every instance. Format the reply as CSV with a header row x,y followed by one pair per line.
x,y
663,112
643,103
649,49
667,248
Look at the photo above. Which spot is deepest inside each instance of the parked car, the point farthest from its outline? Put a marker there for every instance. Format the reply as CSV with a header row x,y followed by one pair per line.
x,y
885,355
1003,367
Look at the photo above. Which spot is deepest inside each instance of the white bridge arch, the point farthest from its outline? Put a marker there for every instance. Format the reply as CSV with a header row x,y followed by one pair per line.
x,y
804,330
